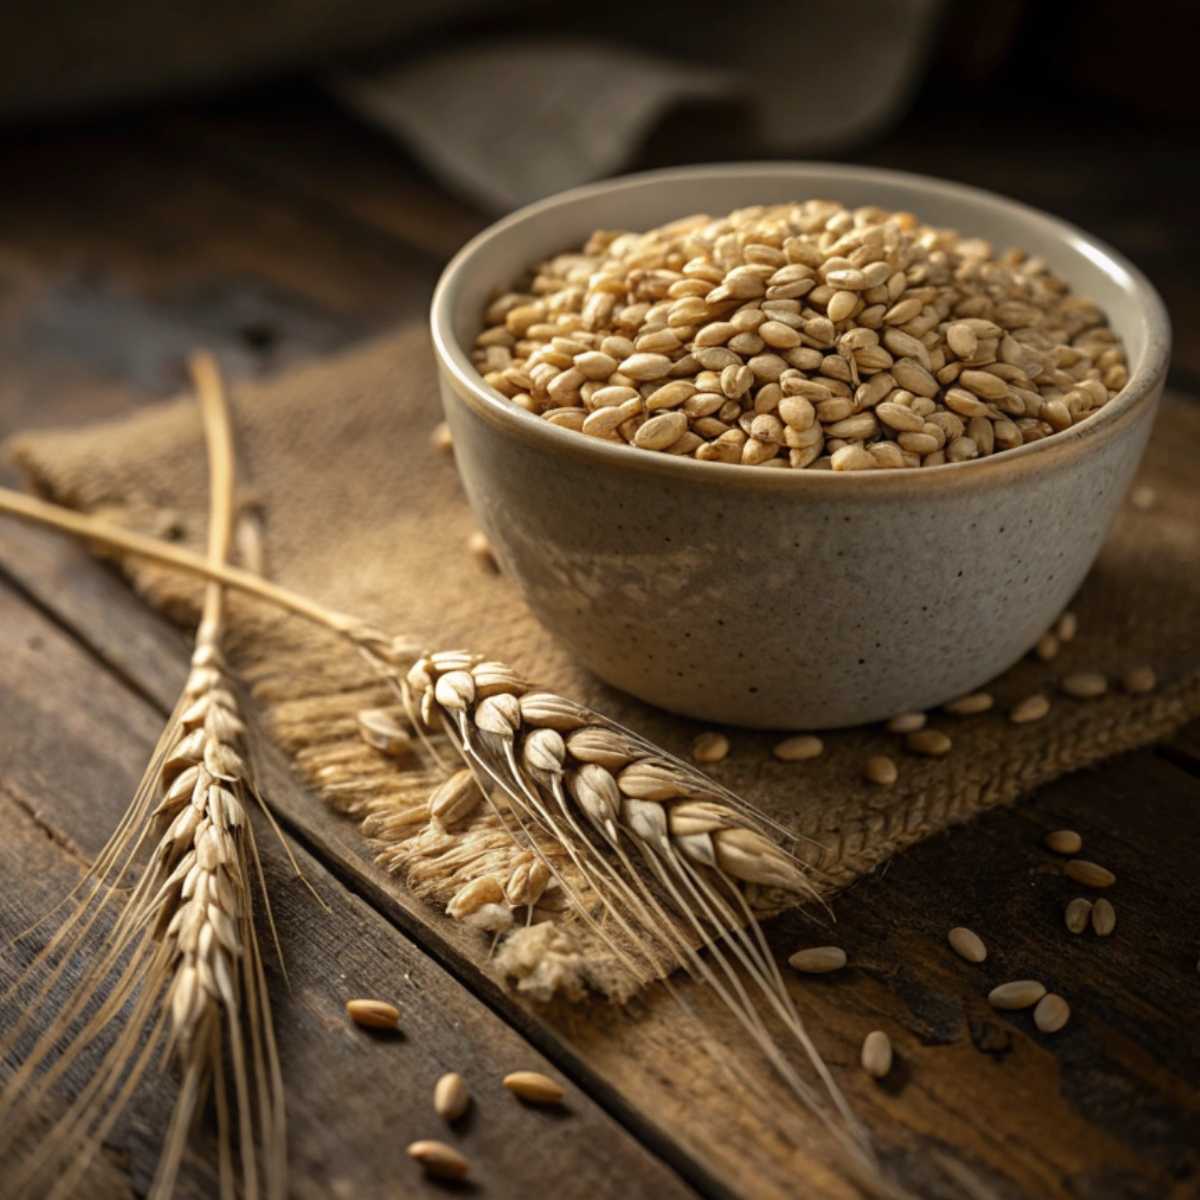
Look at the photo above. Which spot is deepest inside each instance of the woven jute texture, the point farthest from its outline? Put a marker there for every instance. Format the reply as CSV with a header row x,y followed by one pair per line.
x,y
361,513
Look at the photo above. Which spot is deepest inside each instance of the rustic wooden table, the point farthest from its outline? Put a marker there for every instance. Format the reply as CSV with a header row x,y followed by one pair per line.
x,y
276,230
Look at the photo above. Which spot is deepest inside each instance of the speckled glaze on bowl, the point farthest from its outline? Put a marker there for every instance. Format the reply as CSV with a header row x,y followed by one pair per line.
x,y
791,599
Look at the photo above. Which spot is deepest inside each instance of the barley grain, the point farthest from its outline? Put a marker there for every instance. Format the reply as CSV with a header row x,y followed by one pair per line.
x,y
967,944
877,1054
1052,1013
1032,708
1067,627
380,728
451,1097
818,960
871,313
1104,917
1077,914
534,1087
661,431
965,706
373,1014
1020,993
1138,680
1090,874
441,438
710,747
1047,647
930,742
1143,497
455,799
439,1160
481,550
798,748
1084,685
908,722
1063,841
881,770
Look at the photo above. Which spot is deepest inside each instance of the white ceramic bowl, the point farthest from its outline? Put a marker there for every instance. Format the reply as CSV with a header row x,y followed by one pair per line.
x,y
791,599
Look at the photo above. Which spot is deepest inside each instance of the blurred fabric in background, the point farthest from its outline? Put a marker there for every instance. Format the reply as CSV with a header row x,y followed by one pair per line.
x,y
507,102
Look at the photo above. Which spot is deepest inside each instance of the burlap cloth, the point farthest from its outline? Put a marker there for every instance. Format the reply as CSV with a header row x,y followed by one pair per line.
x,y
364,515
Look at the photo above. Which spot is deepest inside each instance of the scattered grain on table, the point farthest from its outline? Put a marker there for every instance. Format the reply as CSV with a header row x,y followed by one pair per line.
x,y
373,1014
932,743
1090,874
710,747
441,439
1077,914
1047,647
439,1160
818,960
481,551
1139,680
1084,685
967,706
1032,708
1052,1013
877,1054
451,1097
880,770
1104,918
907,722
798,748
1143,497
1067,627
1063,841
1020,993
534,1087
967,944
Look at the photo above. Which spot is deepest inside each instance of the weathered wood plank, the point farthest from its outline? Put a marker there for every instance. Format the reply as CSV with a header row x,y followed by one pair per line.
x,y
1106,1109
74,740
1098,1084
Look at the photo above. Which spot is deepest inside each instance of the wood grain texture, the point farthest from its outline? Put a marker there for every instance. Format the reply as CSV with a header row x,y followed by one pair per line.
x,y
355,1100
1117,1093
1108,1108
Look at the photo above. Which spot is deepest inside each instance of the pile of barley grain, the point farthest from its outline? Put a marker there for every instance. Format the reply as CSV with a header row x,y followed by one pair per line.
x,y
801,335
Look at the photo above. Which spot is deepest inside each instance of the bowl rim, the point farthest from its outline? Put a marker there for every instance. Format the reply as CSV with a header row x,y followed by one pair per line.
x,y
1062,448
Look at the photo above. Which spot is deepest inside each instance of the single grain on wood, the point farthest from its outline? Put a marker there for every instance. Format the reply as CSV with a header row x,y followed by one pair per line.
x,y
1032,708
534,1087
710,747
966,943
930,742
1064,841
966,706
798,748
1052,1013
1020,993
1077,914
439,1160
451,1097
373,1014
1104,918
877,1054
1090,874
818,960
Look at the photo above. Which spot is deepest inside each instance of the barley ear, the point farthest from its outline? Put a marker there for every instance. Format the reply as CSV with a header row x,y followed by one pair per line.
x,y
164,967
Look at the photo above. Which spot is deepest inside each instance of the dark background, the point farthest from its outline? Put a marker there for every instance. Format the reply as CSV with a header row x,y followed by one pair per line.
x,y
136,136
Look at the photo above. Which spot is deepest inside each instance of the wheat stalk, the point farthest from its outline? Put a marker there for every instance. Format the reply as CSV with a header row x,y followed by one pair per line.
x,y
589,783
603,795
177,973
